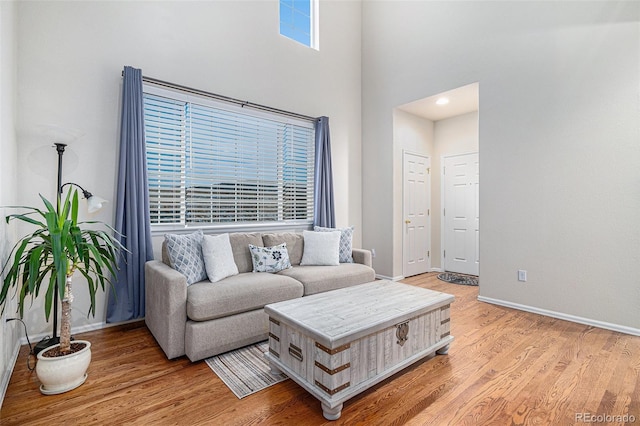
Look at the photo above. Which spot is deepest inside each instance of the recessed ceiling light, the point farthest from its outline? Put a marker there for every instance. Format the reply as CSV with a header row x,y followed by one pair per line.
x,y
442,101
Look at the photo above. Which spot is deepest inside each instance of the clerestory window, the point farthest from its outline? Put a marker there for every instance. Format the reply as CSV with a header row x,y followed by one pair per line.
x,y
299,21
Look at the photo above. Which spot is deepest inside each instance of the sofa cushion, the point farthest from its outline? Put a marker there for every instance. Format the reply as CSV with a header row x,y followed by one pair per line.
x,y
165,254
239,293
318,279
240,245
293,240
270,259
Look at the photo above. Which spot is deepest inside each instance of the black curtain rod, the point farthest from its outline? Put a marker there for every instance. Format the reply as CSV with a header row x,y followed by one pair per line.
x,y
224,98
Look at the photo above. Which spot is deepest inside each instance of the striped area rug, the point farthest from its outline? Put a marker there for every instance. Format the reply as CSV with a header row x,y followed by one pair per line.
x,y
245,371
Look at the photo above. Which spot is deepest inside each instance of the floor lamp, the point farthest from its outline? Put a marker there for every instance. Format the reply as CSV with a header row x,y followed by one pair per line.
x,y
94,203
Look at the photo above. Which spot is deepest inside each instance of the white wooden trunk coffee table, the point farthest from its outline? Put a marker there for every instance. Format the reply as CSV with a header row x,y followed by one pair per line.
x,y
340,343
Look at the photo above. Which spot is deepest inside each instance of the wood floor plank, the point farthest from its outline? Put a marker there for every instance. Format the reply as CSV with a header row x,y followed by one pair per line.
x,y
504,367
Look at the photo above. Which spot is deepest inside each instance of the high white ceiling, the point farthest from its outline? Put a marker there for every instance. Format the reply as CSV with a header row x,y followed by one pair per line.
x,y
461,101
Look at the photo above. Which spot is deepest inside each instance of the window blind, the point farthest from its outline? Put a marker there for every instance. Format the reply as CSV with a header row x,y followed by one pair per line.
x,y
208,164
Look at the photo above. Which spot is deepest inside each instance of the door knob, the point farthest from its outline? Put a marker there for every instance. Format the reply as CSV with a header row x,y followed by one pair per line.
x,y
407,221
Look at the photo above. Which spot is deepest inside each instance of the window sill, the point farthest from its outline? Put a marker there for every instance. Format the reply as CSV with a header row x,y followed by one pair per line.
x,y
157,230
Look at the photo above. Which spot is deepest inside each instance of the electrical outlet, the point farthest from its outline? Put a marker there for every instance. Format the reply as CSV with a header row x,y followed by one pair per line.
x,y
522,275
373,252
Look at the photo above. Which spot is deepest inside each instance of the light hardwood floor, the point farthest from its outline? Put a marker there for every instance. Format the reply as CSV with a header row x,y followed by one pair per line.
x,y
505,367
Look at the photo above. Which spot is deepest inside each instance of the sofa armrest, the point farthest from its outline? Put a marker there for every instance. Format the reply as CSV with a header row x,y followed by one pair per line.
x,y
362,256
166,306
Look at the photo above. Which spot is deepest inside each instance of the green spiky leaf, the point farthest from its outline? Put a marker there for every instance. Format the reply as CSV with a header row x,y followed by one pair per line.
x,y
59,245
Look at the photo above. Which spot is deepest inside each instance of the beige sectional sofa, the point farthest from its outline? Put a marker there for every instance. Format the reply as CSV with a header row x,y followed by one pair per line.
x,y
205,319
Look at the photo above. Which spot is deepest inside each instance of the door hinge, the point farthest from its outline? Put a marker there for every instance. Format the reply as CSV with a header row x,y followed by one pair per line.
x,y
444,212
428,253
428,170
428,212
444,253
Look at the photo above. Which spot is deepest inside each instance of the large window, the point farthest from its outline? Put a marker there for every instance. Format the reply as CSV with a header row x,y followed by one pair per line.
x,y
212,163
298,21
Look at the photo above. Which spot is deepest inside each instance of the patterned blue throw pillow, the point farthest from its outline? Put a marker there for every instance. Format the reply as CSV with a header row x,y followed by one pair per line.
x,y
270,259
346,241
185,255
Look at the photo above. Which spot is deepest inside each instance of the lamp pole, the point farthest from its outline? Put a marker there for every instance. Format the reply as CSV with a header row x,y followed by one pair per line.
x,y
54,340
60,149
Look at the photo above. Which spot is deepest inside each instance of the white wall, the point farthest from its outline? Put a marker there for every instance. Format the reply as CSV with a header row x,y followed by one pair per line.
x,y
455,135
558,130
70,59
9,332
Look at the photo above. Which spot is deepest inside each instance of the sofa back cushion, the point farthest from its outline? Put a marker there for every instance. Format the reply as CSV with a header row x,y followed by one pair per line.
x,y
294,241
240,245
165,253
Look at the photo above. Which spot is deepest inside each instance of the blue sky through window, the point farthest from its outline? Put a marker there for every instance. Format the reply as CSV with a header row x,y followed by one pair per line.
x,y
295,20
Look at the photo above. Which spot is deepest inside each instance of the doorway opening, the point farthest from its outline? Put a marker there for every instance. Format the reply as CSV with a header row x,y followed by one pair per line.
x,y
443,129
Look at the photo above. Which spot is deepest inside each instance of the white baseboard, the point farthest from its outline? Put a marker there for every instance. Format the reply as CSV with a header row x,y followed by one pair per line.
x,y
77,330
6,377
580,320
402,277
384,277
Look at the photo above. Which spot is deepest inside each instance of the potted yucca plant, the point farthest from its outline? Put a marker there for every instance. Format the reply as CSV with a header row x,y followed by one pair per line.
x,y
45,260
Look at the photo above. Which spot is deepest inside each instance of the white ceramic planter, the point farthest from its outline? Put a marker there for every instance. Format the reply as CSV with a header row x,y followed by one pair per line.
x,y
61,374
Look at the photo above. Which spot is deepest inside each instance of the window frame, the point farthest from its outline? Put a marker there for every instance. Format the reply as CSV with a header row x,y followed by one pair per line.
x,y
263,226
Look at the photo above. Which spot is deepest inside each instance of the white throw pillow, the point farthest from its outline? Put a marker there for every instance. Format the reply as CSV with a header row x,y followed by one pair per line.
x,y
346,241
321,248
218,257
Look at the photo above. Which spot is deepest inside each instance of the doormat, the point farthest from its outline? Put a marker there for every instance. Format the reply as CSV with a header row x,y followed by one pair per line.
x,y
245,371
454,278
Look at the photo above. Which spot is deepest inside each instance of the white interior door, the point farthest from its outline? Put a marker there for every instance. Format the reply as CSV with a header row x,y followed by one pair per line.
x,y
461,222
416,204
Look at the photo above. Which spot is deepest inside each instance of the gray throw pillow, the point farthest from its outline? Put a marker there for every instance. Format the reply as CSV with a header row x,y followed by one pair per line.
x,y
185,255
